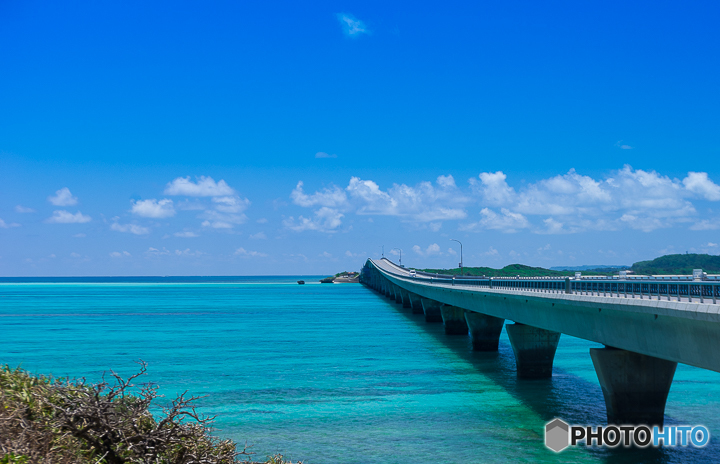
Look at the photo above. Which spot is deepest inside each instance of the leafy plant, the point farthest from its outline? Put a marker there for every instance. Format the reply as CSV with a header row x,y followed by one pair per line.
x,y
47,420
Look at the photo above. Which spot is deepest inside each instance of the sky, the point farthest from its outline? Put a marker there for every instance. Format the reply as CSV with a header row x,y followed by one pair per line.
x,y
288,138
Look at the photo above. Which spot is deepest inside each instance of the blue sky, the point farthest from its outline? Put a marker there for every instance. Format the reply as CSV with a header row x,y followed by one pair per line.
x,y
283,138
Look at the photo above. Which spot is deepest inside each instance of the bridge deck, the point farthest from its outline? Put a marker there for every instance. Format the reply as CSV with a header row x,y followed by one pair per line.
x,y
686,331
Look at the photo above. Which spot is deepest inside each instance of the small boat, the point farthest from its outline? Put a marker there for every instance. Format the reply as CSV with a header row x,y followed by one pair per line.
x,y
301,282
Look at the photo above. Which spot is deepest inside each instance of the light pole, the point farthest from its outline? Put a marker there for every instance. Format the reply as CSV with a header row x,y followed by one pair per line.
x,y
383,250
400,255
461,261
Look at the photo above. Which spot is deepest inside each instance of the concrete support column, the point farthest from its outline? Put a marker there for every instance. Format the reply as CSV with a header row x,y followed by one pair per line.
x,y
534,350
454,320
398,296
635,386
484,330
415,303
389,290
405,298
431,308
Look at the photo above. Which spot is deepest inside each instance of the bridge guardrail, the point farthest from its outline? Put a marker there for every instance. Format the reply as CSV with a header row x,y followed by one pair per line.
x,y
700,287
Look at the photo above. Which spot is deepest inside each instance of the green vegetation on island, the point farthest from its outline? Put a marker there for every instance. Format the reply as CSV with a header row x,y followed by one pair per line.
x,y
59,421
669,264
342,277
678,264
513,270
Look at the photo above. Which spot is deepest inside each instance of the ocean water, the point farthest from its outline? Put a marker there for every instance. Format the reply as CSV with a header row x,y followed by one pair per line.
x,y
327,373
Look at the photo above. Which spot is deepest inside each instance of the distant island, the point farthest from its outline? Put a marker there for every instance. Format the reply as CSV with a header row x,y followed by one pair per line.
x,y
591,267
344,277
678,264
664,265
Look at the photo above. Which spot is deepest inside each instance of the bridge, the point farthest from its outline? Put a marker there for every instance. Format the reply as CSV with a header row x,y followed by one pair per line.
x,y
648,324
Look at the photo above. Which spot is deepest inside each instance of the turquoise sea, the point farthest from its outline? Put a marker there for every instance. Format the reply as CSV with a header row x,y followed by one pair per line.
x,y
326,373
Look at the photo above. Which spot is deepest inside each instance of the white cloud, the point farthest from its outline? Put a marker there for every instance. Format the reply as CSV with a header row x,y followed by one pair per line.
x,y
23,209
217,224
324,220
645,224
186,234
79,235
422,203
63,197
187,252
228,212
155,252
219,220
552,227
325,254
130,228
431,250
259,236
262,221
75,255
568,194
698,183
330,197
446,181
491,252
243,252
117,254
204,187
711,245
232,204
623,146
4,225
506,221
567,203
493,188
190,205
65,217
322,154
627,198
351,26
153,208
706,224
350,254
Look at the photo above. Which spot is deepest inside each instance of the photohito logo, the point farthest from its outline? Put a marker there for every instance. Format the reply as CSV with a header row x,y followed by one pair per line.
x,y
559,435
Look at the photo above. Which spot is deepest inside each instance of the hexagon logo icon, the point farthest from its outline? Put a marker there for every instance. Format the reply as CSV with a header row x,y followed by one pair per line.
x,y
557,435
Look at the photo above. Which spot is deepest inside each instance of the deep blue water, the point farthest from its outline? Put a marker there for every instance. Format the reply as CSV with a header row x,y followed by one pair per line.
x,y
326,373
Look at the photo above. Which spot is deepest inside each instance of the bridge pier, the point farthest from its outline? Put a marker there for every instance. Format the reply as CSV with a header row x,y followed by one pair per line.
x,y
454,320
484,330
534,350
415,303
405,295
390,290
431,308
635,386
398,295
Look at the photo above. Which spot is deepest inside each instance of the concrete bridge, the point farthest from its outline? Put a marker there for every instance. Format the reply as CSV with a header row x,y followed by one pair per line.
x,y
648,324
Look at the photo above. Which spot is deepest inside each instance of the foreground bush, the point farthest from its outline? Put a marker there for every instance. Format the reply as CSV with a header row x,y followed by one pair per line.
x,y
47,420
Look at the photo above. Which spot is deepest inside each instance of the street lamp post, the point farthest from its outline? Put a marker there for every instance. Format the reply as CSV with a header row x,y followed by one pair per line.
x,y
400,255
383,250
461,260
